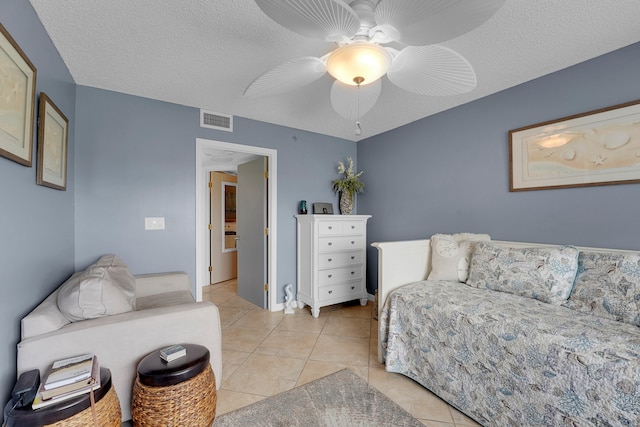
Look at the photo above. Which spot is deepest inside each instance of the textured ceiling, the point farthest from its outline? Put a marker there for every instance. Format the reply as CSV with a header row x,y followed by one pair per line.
x,y
204,53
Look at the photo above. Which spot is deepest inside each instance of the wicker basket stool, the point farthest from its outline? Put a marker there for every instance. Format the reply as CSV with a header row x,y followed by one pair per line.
x,y
178,393
75,412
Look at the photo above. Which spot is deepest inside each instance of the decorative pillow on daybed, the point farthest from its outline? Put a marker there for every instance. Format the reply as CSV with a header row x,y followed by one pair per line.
x,y
544,273
608,285
450,254
103,289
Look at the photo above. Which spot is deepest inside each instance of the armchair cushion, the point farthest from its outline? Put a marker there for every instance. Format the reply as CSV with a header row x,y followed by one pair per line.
x,y
165,299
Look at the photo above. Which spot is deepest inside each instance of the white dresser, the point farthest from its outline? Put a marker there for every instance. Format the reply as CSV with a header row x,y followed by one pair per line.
x,y
332,260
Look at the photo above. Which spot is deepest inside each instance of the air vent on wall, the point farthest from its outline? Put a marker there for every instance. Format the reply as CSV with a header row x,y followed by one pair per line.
x,y
211,120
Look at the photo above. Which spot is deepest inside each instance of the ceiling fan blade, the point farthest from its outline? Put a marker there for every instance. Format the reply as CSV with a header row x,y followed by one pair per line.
x,y
331,20
288,76
432,70
423,22
352,105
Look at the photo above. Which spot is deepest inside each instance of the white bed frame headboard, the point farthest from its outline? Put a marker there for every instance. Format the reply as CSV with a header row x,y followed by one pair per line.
x,y
404,262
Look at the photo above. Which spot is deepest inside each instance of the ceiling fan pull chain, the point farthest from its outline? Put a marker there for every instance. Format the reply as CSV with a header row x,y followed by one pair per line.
x,y
358,131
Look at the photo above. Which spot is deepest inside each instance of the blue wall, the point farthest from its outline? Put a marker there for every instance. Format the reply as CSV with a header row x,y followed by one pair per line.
x,y
36,223
450,172
137,158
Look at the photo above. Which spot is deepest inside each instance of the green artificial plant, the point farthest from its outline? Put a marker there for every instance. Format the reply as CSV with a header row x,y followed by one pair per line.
x,y
350,182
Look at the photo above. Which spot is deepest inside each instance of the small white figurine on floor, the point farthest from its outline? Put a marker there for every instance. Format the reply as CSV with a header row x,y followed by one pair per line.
x,y
289,302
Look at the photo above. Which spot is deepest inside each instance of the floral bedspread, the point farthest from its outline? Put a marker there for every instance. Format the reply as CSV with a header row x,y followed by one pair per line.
x,y
507,360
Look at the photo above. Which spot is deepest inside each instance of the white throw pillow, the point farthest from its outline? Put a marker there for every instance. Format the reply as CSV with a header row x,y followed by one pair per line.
x,y
90,294
450,255
118,273
105,288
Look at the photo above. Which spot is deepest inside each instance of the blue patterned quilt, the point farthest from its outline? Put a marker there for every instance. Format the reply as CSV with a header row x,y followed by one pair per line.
x,y
506,360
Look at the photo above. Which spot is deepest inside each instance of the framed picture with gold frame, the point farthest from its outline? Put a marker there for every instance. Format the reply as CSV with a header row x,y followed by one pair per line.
x,y
53,131
17,101
600,147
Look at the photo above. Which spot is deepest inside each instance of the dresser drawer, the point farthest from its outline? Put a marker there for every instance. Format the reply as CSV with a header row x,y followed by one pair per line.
x,y
331,260
340,291
329,228
334,228
342,243
353,227
335,276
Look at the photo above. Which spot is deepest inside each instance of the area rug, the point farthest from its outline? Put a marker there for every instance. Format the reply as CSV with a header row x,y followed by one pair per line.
x,y
340,399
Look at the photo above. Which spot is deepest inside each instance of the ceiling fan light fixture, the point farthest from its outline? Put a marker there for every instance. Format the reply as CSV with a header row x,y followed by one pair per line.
x,y
358,63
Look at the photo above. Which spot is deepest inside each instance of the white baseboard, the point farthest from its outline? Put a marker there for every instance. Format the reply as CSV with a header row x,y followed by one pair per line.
x,y
280,306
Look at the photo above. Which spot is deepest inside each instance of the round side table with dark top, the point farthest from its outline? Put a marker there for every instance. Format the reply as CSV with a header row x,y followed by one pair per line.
x,y
179,393
74,412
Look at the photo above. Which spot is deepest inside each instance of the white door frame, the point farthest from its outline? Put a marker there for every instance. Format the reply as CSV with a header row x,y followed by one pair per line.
x,y
202,218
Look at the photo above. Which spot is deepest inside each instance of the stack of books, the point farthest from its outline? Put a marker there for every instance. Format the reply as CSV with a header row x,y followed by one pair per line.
x,y
172,353
67,378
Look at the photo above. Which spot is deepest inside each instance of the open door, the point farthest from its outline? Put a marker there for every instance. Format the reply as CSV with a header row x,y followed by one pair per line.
x,y
252,232
222,227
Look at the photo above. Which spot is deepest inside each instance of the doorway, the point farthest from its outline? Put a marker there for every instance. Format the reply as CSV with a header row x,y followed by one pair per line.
x,y
223,265
203,146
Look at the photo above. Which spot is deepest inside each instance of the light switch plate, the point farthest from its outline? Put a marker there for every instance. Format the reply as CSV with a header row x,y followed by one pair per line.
x,y
154,223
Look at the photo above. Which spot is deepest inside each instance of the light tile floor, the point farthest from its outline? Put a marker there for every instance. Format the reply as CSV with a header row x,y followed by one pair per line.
x,y
265,353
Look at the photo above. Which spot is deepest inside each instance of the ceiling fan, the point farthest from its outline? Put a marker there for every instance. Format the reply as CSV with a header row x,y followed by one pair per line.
x,y
374,38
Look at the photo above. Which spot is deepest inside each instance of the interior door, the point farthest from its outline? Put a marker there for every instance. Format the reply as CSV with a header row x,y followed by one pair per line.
x,y
222,226
251,217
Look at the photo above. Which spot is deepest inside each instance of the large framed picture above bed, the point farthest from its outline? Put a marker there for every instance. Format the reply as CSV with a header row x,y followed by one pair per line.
x,y
599,147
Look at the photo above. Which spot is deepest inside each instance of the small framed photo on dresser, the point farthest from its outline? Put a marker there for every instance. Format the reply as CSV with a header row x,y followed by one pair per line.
x,y
323,208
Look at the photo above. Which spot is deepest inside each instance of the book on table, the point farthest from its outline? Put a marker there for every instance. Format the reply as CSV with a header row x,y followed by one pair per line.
x,y
78,385
59,394
68,371
172,353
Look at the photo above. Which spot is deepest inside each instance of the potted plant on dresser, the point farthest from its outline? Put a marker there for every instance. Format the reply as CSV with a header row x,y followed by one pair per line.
x,y
348,186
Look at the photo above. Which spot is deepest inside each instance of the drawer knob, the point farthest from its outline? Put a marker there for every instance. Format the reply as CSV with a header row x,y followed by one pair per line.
x,y
353,242
330,276
352,257
330,259
353,272
330,243
353,226
353,287
330,227
330,292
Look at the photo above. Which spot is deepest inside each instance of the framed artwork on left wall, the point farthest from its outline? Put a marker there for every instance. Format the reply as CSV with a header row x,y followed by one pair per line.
x,y
17,101
53,130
